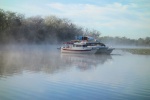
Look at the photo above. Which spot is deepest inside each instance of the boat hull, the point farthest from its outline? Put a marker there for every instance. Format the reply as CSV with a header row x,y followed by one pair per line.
x,y
104,51
78,51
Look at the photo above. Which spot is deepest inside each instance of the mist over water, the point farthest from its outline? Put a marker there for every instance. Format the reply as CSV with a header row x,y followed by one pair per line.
x,y
41,72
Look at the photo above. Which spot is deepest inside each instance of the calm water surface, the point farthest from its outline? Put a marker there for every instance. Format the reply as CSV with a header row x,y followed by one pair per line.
x,y
43,73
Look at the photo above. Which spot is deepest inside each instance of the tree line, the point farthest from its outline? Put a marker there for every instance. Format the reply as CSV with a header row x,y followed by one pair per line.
x,y
125,41
15,28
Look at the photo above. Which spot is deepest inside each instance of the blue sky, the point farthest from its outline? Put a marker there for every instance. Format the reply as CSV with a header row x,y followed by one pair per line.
x,y
129,18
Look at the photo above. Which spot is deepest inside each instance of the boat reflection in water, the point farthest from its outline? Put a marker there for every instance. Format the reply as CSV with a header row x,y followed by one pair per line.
x,y
85,62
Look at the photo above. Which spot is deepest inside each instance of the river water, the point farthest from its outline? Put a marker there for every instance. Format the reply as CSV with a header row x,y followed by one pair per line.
x,y
43,73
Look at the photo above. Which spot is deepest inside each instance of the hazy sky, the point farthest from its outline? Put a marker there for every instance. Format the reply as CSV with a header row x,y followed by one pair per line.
x,y
129,18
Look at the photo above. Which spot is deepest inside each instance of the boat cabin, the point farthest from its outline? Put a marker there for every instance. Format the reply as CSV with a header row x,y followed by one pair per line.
x,y
79,45
95,44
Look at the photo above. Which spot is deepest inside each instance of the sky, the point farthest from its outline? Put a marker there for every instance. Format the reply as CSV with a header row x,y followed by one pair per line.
x,y
122,18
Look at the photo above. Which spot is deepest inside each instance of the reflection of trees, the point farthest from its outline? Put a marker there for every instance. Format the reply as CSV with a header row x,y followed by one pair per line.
x,y
84,62
36,59
18,59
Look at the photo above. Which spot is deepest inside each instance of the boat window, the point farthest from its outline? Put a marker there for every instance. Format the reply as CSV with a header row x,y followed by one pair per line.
x,y
78,45
84,45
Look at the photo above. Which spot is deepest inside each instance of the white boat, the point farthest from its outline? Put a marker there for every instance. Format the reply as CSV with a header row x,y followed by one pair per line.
x,y
77,47
86,45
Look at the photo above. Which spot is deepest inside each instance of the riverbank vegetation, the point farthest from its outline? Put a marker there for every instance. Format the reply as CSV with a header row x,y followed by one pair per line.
x,y
140,51
16,28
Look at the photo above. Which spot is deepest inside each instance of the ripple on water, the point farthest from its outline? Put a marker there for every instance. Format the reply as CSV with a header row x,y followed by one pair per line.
x,y
40,86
